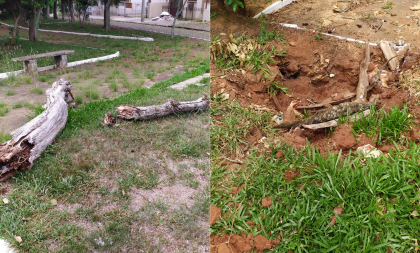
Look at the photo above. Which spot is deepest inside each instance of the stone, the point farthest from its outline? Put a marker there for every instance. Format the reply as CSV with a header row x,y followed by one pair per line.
x,y
60,61
30,67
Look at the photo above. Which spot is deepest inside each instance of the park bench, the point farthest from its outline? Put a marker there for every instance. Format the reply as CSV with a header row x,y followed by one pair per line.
x,y
29,62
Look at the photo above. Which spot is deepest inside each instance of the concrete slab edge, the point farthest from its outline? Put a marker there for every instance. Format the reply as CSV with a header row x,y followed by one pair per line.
x,y
274,7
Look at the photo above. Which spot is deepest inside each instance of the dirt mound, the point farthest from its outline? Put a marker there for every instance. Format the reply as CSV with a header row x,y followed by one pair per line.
x,y
342,138
239,244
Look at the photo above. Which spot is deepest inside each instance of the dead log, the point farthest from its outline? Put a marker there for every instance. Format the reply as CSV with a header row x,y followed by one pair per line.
x,y
155,111
30,140
334,123
389,53
328,114
363,84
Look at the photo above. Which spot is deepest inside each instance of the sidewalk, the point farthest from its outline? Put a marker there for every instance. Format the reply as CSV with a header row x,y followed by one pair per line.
x,y
192,25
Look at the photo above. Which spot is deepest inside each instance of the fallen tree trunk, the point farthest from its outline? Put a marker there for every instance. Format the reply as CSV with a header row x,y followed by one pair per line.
x,y
155,111
30,140
328,114
334,123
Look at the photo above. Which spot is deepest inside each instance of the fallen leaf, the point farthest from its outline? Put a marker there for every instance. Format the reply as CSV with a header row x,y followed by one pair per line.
x,y
332,220
123,192
18,238
338,210
415,213
53,202
5,201
416,243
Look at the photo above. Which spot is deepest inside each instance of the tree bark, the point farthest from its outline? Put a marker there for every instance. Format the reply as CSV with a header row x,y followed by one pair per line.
x,y
63,9
71,10
15,27
47,12
107,16
181,5
55,10
32,26
30,140
155,111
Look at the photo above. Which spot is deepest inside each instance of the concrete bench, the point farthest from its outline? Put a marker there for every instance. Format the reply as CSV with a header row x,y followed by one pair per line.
x,y
29,62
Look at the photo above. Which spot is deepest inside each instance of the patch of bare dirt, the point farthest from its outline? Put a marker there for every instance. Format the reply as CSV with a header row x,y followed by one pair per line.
x,y
313,70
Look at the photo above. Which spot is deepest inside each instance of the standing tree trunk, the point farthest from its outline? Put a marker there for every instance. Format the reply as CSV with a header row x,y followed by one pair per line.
x,y
71,9
32,26
181,4
47,12
55,10
108,16
63,9
105,13
15,27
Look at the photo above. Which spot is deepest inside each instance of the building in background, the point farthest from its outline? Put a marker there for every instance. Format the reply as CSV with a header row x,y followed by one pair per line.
x,y
193,9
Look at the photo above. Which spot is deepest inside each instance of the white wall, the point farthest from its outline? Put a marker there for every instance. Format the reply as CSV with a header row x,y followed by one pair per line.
x,y
155,9
206,15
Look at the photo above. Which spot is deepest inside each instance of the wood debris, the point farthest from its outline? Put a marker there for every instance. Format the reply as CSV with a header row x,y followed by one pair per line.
x,y
30,140
155,111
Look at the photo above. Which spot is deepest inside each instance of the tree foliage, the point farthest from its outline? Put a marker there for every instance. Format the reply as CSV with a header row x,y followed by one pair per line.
x,y
234,4
81,7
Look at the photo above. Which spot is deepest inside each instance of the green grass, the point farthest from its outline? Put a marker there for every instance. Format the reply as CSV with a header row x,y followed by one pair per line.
x,y
3,109
10,93
385,126
379,195
37,91
113,86
150,75
230,132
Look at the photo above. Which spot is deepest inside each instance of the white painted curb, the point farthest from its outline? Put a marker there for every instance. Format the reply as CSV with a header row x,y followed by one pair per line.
x,y
90,34
274,7
70,64
186,83
327,34
107,57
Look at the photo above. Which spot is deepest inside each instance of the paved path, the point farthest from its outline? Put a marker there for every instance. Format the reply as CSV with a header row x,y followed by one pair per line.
x,y
185,32
193,25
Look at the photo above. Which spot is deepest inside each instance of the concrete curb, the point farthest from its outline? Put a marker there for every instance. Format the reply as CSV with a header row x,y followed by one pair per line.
x,y
184,84
294,26
88,34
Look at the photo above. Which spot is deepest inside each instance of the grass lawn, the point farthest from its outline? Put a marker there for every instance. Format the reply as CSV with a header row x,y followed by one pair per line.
x,y
140,64
141,185
379,197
